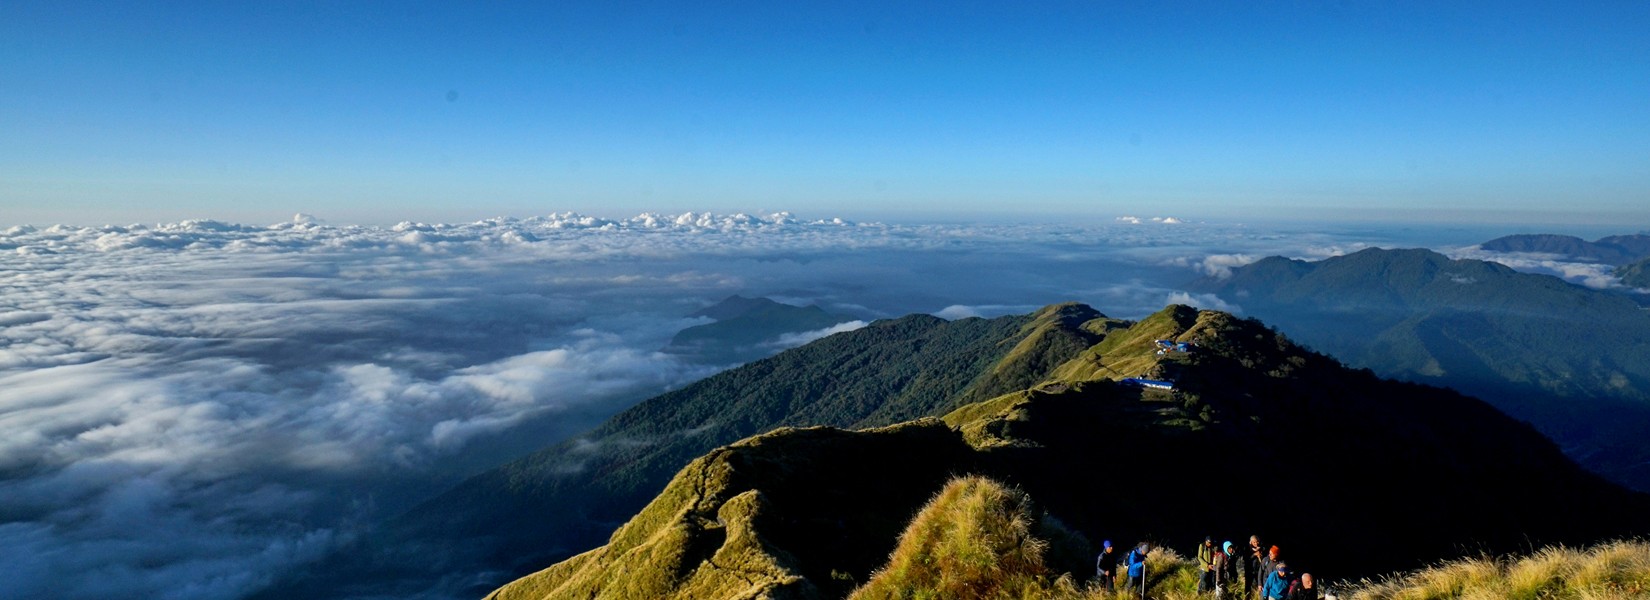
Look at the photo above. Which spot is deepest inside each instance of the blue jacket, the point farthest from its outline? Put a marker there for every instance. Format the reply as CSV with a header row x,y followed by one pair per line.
x,y
1137,562
1276,587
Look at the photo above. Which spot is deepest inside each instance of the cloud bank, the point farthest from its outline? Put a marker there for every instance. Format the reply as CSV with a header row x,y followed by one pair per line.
x,y
1594,275
792,340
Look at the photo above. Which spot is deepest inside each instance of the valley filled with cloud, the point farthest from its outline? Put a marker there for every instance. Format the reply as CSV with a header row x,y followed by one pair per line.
x,y
189,410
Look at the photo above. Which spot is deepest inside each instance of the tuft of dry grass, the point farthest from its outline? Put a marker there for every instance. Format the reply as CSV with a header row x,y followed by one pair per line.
x,y
1610,571
976,539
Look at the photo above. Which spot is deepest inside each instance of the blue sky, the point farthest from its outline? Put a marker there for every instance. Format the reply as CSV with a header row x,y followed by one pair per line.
x,y
358,112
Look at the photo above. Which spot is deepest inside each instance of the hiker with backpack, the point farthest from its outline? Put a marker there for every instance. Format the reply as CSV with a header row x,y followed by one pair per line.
x,y
1305,589
1137,568
1223,568
1267,567
1277,584
1105,567
1206,565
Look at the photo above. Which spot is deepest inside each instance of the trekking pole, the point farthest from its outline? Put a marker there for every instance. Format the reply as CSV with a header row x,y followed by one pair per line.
x,y
1142,578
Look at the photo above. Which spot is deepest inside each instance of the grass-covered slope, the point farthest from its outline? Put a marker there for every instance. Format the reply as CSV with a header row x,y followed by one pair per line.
x,y
1355,475
1572,360
789,514
566,498
1611,571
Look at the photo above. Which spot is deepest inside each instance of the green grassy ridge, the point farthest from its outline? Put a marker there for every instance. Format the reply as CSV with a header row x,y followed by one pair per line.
x,y
1572,360
810,501
1128,351
568,497
1114,460
1055,334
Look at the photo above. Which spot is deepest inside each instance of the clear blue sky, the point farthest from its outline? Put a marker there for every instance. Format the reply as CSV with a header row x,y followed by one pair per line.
x,y
358,112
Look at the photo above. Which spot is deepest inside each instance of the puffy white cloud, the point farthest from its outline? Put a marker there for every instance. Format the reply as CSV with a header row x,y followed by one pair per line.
x,y
792,340
1217,265
1594,275
1205,301
1320,252
961,311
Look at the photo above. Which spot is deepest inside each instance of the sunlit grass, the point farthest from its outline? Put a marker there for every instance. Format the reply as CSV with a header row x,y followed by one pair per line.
x,y
1615,570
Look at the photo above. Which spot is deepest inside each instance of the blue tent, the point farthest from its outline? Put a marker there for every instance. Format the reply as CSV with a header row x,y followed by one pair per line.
x,y
1156,384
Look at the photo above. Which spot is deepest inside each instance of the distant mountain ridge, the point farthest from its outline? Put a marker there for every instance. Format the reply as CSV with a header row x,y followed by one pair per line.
x,y
1350,473
1572,360
1611,250
747,329
1636,274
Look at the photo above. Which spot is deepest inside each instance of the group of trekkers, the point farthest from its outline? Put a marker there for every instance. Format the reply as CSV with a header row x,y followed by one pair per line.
x,y
1257,572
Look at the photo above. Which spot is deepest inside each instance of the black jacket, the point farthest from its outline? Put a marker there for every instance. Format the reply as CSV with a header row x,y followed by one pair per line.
x,y
1303,593
1265,566
1106,563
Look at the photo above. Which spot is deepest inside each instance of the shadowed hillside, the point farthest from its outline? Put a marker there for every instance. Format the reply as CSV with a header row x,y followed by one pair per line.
x,y
1572,360
1355,475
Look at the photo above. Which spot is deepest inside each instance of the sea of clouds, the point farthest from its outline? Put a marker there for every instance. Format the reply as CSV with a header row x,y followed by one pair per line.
x,y
190,410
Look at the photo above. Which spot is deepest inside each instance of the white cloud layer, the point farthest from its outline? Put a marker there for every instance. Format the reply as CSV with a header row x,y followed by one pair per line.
x,y
792,340
1594,275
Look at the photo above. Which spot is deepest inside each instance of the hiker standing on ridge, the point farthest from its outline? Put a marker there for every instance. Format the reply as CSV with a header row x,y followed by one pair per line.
x,y
1137,569
1249,567
1206,565
1277,584
1268,566
1223,568
1234,565
1105,567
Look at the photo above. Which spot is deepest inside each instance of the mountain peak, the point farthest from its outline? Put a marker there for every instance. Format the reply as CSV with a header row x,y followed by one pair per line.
x,y
1067,310
1137,350
734,306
